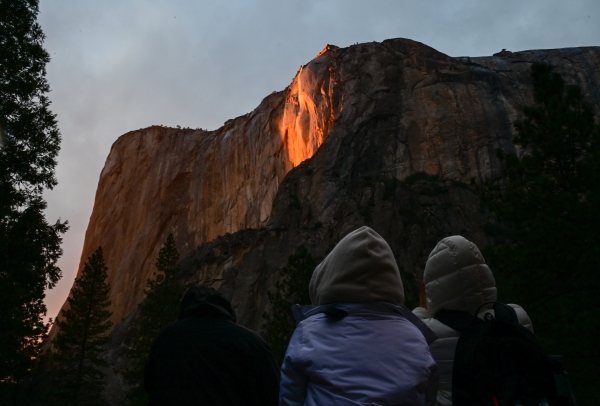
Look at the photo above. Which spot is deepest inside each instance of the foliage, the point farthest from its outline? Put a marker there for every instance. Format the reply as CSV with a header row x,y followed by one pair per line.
x,y
545,250
29,245
77,377
160,308
291,288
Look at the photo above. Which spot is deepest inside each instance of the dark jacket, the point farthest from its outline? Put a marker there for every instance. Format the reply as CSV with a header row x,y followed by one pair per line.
x,y
205,358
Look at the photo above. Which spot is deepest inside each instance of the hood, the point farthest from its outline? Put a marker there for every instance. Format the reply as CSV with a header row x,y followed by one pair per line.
x,y
457,278
202,301
361,268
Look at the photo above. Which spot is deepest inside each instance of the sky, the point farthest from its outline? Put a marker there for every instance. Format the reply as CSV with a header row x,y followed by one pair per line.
x,y
121,65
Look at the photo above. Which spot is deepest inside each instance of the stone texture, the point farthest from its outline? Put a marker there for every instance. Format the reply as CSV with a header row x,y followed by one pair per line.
x,y
380,134
200,184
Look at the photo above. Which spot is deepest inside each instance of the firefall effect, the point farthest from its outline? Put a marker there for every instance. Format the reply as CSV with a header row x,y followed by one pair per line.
x,y
308,111
201,184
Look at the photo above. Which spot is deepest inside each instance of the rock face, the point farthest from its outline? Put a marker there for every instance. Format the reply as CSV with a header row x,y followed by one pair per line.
x,y
380,134
436,114
411,128
201,184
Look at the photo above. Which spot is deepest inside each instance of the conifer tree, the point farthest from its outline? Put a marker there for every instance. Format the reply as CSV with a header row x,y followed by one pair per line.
x,y
546,254
290,289
77,375
29,144
159,309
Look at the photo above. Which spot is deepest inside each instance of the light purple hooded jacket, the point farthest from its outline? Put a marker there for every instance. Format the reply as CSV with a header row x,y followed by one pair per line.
x,y
367,351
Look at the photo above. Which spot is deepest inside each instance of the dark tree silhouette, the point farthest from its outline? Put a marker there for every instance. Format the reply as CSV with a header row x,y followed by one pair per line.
x,y
159,309
291,288
546,254
76,373
29,144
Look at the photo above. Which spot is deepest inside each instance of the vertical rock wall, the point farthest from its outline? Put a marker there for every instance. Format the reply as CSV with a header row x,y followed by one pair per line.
x,y
201,184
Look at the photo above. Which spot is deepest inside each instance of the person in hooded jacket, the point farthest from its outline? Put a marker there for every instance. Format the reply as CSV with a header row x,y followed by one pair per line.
x,y
357,344
455,278
206,358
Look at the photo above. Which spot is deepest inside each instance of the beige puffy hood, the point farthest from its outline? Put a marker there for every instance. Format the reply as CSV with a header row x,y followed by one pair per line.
x,y
457,278
361,268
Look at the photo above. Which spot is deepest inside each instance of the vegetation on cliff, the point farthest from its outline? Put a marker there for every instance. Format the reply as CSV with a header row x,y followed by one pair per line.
x,y
545,244
29,144
290,289
160,308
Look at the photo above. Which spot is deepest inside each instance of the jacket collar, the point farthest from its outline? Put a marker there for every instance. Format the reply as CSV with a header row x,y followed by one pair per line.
x,y
338,311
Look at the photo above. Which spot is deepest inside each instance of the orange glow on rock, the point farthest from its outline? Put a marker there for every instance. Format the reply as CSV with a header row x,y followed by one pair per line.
x,y
308,111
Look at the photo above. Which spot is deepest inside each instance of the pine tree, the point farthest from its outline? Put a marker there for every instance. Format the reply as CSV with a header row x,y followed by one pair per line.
x,y
29,245
159,309
545,252
290,289
77,375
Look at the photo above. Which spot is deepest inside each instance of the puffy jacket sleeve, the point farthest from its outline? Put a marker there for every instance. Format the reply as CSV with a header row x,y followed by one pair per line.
x,y
421,313
294,380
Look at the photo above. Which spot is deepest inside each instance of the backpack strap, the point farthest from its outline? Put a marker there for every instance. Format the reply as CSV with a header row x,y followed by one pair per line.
x,y
456,319
429,335
505,312
461,320
501,312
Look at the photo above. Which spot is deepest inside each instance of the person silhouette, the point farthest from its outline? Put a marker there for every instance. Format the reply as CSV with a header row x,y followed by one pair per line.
x,y
206,358
456,277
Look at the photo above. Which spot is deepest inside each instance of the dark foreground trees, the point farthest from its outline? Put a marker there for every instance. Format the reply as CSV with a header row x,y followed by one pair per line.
x,y
546,253
75,365
290,289
159,309
29,245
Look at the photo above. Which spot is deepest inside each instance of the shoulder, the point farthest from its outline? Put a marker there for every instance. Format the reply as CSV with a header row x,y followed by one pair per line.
x,y
172,330
439,328
311,324
250,335
522,316
249,341
422,313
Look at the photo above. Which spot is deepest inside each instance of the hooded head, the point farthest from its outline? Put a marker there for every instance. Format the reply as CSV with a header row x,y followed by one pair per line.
x,y
457,278
202,301
361,268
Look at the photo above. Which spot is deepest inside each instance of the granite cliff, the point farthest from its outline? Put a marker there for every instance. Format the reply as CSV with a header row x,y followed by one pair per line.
x,y
412,128
200,184
380,134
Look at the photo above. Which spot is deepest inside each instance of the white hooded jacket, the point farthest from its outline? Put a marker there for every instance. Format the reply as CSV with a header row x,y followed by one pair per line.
x,y
456,278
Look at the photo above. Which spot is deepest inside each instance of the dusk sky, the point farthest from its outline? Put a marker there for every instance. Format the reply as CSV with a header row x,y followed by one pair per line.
x,y
121,65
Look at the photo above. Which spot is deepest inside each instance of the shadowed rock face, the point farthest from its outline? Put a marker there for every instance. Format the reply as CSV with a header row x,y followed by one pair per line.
x,y
353,128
